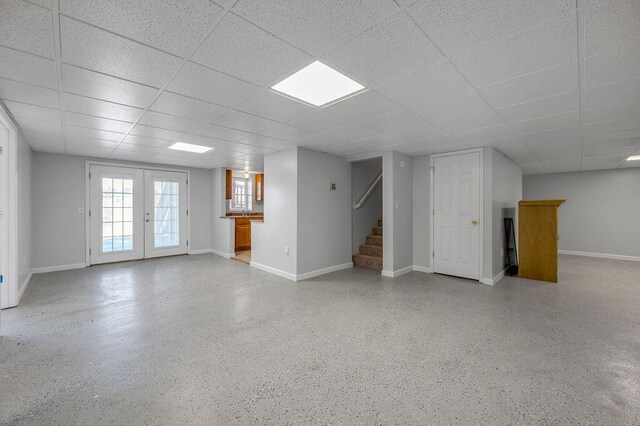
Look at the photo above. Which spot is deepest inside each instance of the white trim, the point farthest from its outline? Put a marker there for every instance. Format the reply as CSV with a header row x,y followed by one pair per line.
x,y
425,269
397,273
58,268
494,280
200,251
222,254
600,255
323,271
432,158
274,271
24,285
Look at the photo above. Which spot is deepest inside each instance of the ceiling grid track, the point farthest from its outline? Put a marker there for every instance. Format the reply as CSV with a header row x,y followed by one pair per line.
x,y
57,43
581,75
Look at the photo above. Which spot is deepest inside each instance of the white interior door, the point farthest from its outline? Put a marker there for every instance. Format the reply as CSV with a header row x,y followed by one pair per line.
x,y
4,228
456,215
166,209
117,211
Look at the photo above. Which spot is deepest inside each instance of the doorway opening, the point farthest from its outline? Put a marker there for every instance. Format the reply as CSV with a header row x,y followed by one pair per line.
x,y
366,214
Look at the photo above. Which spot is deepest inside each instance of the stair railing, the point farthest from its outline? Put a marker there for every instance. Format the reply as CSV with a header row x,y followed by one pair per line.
x,y
368,192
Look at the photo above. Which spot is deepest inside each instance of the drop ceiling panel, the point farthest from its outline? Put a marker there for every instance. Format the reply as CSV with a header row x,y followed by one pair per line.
x,y
362,106
183,106
568,135
89,133
212,86
541,107
470,122
42,135
26,27
90,143
26,93
243,121
394,121
94,85
172,122
610,23
93,122
541,84
315,26
266,142
485,133
559,121
26,68
33,112
618,64
101,51
87,150
623,92
286,132
239,48
422,133
611,112
99,108
174,26
142,140
391,49
273,106
318,121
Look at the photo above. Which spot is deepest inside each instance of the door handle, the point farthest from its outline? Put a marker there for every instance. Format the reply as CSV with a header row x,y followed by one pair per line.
x,y
147,220
474,222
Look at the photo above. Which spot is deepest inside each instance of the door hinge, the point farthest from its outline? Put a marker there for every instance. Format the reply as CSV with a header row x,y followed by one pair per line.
x,y
187,181
89,213
89,252
89,175
187,212
187,243
433,254
1,150
434,212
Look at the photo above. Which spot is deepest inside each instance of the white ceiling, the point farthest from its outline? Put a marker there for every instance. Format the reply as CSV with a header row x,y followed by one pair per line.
x,y
553,84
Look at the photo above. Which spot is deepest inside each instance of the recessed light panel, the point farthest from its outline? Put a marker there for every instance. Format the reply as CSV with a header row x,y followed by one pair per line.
x,y
634,158
318,85
198,149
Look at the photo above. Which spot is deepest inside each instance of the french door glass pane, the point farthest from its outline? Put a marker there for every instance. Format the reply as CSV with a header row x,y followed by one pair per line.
x,y
117,217
166,200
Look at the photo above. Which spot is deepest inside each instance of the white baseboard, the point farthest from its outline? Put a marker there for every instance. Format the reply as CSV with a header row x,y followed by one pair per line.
x,y
323,271
200,251
223,254
23,287
274,271
600,255
397,273
494,280
59,268
426,269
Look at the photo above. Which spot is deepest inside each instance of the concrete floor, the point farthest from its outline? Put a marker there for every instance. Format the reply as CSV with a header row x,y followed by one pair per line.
x,y
202,339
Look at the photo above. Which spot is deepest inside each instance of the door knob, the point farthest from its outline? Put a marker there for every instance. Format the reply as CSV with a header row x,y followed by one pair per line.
x,y
147,220
474,222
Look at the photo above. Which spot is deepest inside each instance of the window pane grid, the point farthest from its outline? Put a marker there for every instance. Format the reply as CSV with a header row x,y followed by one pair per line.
x,y
166,227
117,215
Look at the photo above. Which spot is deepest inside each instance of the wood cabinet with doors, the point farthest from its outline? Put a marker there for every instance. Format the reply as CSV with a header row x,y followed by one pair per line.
x,y
259,187
243,234
228,184
538,239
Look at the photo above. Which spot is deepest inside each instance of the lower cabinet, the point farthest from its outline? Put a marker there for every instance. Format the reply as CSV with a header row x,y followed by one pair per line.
x,y
243,234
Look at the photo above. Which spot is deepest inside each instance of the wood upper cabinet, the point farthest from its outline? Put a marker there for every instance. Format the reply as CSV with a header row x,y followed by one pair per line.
x,y
229,184
538,239
259,187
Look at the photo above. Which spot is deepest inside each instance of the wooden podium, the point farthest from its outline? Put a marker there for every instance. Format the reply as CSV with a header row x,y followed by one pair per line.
x,y
538,239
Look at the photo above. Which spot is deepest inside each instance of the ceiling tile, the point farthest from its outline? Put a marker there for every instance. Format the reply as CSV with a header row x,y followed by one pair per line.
x,y
541,107
239,48
243,121
432,145
319,121
609,23
84,105
82,120
76,132
210,133
559,121
351,133
183,106
266,142
623,92
394,121
42,135
90,143
549,44
601,163
387,51
457,25
485,133
611,66
362,106
448,107
549,82
611,112
515,150
140,149
422,133
28,68
273,106
611,148
33,112
26,93
101,51
557,151
286,132
203,83
571,163
26,27
87,83
221,132
470,122
43,3
315,26
172,122
87,150
142,140
569,134
175,26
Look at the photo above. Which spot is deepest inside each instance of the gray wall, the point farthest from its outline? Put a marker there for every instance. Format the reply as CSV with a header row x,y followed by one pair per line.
x,y
602,211
222,228
279,228
421,212
366,217
506,192
324,216
25,158
58,230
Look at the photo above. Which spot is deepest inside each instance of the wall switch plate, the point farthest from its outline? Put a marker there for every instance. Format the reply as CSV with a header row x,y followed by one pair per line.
x,y
286,250
332,187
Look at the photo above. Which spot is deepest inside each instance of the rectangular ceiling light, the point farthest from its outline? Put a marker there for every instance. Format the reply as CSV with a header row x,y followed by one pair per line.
x,y
318,85
634,158
198,149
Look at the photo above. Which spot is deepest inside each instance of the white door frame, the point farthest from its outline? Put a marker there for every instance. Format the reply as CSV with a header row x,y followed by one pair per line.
x,y
87,197
432,158
9,192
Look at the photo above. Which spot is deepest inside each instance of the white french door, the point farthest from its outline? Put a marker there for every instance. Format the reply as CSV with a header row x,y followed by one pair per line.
x,y
136,213
456,215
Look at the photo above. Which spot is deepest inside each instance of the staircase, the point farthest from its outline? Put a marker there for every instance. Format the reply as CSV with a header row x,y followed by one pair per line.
x,y
370,255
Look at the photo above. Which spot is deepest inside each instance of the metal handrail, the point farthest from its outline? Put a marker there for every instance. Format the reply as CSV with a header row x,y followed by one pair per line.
x,y
368,192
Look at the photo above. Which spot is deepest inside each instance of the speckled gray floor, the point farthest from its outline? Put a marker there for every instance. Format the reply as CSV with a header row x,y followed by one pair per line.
x,y
202,339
